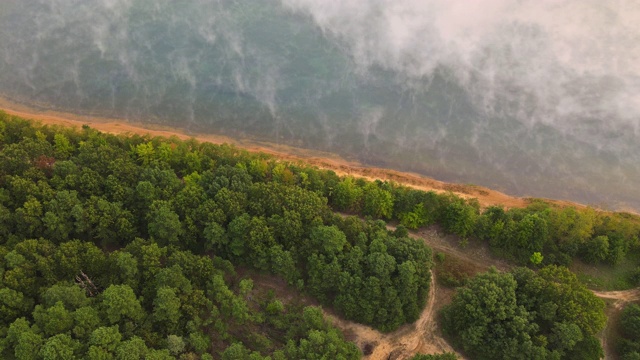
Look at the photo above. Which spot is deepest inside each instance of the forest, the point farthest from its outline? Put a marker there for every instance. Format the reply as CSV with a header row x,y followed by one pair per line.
x,y
132,242
129,247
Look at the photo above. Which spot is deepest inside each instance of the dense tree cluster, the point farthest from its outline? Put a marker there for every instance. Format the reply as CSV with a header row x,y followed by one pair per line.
x,y
526,315
629,344
146,301
555,235
60,184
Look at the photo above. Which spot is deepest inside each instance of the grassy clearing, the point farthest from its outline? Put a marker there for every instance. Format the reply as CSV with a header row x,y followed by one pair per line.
x,y
452,271
606,277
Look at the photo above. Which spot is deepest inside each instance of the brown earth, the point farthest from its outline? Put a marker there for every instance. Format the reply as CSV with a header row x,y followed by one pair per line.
x,y
423,336
322,160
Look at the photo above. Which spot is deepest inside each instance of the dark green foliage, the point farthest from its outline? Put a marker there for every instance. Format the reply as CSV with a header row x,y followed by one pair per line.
x,y
109,190
559,234
525,315
629,345
190,303
75,208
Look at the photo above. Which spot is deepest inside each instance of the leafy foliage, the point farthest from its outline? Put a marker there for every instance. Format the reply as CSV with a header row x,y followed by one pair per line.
x,y
120,219
523,315
629,345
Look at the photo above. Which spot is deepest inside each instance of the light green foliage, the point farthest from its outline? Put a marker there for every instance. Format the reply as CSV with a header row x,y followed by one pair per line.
x,y
536,258
53,320
71,296
199,342
13,304
166,307
86,319
347,195
416,218
132,349
28,346
120,303
107,338
571,227
175,344
146,153
59,347
98,353
377,202
62,146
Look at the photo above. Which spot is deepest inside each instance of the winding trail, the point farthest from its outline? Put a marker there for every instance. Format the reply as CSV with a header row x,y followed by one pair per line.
x,y
423,336
419,337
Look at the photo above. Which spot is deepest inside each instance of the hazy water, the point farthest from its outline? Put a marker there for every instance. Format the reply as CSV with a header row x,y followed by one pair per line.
x,y
537,98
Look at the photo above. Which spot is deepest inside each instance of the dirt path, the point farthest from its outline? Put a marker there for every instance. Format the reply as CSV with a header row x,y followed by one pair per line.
x,y
614,312
423,336
419,337
621,297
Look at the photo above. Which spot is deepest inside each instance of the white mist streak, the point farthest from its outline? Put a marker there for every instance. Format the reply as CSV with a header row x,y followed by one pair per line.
x,y
557,63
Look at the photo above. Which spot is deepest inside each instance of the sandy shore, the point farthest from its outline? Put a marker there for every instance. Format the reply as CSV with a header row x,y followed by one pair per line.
x,y
322,160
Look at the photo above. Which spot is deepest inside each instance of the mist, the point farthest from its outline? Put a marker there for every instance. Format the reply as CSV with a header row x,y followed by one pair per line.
x,y
536,98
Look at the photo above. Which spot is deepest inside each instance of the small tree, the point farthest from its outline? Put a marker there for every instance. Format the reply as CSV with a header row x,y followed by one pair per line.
x,y
536,258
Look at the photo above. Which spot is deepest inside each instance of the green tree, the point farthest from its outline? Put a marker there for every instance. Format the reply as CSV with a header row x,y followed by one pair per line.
x,y
86,319
377,202
164,224
486,319
59,347
105,337
175,344
120,303
458,218
53,320
347,195
536,258
163,354
166,307
71,296
596,249
13,304
132,349
63,147
328,239
146,153
28,346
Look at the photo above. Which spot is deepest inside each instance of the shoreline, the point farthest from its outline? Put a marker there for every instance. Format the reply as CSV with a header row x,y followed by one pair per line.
x,y
323,160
